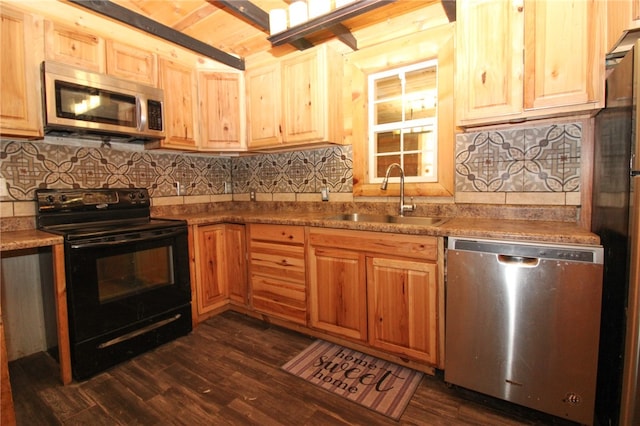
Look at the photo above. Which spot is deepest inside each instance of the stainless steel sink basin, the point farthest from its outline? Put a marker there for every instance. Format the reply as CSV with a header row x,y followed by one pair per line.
x,y
379,218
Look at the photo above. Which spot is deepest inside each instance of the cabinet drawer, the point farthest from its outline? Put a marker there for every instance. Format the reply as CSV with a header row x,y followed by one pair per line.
x,y
412,246
281,298
277,260
278,233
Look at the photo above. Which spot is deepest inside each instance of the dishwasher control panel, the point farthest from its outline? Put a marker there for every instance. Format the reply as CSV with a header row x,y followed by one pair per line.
x,y
570,252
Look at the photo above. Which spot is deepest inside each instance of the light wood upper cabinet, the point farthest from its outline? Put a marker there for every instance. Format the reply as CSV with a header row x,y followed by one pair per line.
x,y
131,63
88,51
20,108
264,110
277,272
296,101
622,16
73,47
180,100
402,301
489,58
522,59
221,116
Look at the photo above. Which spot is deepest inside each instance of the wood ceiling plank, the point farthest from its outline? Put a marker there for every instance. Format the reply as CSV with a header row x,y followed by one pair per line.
x,y
150,26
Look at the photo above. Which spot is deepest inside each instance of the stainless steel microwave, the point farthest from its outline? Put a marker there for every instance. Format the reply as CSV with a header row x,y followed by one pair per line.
x,y
84,102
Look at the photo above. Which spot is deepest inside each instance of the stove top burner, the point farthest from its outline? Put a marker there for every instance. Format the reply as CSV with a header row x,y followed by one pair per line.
x,y
106,229
95,213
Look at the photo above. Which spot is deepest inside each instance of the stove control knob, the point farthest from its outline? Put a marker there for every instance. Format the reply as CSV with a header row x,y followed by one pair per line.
x,y
63,198
141,195
132,195
50,199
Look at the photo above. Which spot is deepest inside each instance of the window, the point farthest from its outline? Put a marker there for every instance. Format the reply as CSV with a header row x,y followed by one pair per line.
x,y
403,122
430,49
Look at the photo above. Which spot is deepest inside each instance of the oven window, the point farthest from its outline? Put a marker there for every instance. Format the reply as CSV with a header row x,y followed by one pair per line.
x,y
132,273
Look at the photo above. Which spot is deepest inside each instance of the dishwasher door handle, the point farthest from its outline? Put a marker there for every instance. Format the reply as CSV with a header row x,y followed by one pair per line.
x,y
522,261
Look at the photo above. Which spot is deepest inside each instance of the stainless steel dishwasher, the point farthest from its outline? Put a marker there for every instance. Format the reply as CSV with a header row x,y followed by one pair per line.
x,y
523,323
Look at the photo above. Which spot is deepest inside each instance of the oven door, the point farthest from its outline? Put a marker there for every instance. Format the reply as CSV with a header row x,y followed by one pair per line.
x,y
127,279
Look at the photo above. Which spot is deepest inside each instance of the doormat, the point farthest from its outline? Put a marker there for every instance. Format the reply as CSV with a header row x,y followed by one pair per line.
x,y
379,385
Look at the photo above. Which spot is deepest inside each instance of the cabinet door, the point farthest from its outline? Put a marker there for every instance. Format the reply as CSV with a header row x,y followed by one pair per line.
x,y
131,63
622,16
564,58
337,292
180,94
220,96
264,106
236,265
72,47
20,109
489,58
402,301
304,106
211,289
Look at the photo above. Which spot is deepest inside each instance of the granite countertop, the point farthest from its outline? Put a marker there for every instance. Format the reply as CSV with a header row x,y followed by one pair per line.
x,y
25,239
517,230
520,230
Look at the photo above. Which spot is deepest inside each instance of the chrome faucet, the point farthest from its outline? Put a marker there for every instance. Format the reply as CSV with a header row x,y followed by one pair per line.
x,y
403,207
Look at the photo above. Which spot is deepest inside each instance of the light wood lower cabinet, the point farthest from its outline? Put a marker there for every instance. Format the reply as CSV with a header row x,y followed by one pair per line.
x,y
402,301
337,291
219,267
378,288
277,271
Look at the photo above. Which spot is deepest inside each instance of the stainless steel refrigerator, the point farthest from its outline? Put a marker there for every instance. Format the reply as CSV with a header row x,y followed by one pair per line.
x,y
616,219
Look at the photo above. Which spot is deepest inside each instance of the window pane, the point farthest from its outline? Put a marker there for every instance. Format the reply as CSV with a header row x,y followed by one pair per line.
x,y
383,162
388,87
388,112
388,142
412,165
420,108
411,142
421,94
422,163
421,81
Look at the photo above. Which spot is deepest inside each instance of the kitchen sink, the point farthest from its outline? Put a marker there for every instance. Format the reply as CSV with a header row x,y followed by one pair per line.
x,y
381,218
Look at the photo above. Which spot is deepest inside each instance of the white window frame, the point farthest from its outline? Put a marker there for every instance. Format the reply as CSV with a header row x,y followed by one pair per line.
x,y
404,126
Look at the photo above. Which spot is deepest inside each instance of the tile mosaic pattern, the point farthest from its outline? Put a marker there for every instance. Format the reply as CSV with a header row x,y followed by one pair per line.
x,y
537,159
28,166
296,171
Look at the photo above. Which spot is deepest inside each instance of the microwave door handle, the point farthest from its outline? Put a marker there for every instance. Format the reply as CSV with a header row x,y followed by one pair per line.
x,y
141,110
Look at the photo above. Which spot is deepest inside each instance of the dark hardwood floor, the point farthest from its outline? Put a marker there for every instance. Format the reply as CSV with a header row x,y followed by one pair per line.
x,y
227,372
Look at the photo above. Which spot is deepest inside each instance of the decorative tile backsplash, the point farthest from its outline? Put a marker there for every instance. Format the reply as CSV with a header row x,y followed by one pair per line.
x,y
28,166
536,159
520,162
299,171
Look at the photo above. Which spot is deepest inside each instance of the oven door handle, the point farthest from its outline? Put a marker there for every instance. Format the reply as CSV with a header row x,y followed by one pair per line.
x,y
147,237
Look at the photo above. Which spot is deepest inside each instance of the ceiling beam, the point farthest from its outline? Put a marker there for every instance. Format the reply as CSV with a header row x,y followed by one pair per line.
x,y
248,10
252,13
126,16
327,21
449,7
344,35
